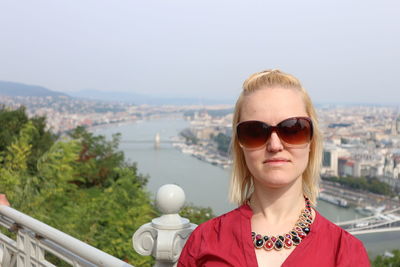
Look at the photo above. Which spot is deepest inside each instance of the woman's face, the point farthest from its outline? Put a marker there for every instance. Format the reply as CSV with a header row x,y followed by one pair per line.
x,y
275,165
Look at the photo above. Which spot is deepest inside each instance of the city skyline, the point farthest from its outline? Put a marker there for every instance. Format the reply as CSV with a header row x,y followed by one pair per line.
x,y
342,52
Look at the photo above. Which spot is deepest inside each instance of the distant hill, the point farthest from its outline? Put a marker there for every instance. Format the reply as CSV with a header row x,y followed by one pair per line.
x,y
20,89
139,99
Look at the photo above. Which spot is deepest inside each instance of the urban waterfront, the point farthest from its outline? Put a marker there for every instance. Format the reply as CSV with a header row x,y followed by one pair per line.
x,y
205,184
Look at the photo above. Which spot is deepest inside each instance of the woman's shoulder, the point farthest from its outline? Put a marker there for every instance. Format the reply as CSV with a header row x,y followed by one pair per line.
x,y
221,222
334,231
346,247
208,242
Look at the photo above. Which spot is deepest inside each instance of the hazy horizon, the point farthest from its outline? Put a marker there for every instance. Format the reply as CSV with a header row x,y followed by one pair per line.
x,y
343,52
113,96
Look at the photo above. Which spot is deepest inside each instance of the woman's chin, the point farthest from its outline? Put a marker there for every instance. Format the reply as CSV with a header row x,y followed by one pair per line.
x,y
276,182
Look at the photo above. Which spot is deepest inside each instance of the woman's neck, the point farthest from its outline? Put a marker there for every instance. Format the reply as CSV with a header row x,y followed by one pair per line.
x,y
276,204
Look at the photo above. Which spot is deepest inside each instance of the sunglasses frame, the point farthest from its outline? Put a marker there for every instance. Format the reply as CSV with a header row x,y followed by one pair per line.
x,y
271,129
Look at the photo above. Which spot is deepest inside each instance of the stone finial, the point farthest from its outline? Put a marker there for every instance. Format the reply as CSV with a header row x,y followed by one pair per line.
x,y
170,198
166,235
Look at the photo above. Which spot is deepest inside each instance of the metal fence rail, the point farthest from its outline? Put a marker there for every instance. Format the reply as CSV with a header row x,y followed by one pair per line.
x,y
34,239
163,238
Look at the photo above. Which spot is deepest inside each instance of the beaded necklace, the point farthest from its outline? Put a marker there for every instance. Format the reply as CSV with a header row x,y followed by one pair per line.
x,y
293,238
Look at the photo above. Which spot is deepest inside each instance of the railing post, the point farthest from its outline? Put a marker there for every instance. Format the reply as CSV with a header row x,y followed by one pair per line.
x,y
165,236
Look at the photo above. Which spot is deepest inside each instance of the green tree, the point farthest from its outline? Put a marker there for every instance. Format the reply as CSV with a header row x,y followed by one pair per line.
x,y
98,158
384,261
189,136
13,121
223,142
370,184
197,214
14,158
80,184
103,216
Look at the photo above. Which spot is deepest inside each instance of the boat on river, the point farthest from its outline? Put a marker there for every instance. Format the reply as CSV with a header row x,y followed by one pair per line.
x,y
341,202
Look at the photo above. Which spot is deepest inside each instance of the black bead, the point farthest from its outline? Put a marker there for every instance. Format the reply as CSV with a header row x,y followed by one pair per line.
x,y
281,238
278,244
296,240
259,243
306,230
293,233
266,238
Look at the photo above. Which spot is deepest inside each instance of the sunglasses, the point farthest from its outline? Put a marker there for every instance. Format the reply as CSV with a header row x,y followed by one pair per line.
x,y
293,132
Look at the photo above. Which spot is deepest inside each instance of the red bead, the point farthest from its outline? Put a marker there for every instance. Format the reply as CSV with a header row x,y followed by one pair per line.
x,y
268,245
273,238
301,235
288,243
258,236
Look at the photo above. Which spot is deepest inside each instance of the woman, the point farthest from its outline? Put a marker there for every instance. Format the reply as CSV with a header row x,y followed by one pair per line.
x,y
277,150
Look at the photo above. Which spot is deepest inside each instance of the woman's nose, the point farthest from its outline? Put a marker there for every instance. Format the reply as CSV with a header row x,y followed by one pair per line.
x,y
274,143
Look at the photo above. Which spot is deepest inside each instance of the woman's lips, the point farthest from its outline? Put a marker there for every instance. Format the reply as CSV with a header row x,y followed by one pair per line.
x,y
276,160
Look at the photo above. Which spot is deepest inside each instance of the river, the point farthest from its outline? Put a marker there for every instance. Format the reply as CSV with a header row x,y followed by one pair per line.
x,y
205,184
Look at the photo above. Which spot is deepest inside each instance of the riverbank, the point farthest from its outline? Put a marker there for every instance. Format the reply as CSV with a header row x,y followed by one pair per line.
x,y
358,198
204,152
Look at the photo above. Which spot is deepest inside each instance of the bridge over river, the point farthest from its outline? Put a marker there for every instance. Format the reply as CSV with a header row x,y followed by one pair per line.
x,y
387,221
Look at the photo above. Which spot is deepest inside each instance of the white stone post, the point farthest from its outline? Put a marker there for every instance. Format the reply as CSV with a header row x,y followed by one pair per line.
x,y
165,236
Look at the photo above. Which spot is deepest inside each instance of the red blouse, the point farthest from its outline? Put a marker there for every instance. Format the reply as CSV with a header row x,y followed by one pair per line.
x,y
226,241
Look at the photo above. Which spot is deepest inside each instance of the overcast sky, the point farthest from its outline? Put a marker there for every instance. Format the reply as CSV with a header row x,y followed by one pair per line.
x,y
342,51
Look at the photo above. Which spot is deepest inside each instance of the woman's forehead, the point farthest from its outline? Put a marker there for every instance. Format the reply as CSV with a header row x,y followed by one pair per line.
x,y
272,105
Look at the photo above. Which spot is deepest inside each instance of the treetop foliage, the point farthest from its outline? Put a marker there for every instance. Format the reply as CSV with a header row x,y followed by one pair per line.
x,y
12,121
389,261
223,143
370,184
79,183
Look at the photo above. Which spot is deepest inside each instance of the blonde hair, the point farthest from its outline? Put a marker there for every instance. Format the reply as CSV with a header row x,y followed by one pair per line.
x,y
241,185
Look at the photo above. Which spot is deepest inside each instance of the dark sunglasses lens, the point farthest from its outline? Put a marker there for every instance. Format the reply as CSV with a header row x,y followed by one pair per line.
x,y
252,134
295,131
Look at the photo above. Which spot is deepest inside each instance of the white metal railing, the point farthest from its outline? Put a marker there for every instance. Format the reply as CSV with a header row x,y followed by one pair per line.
x,y
163,238
35,238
